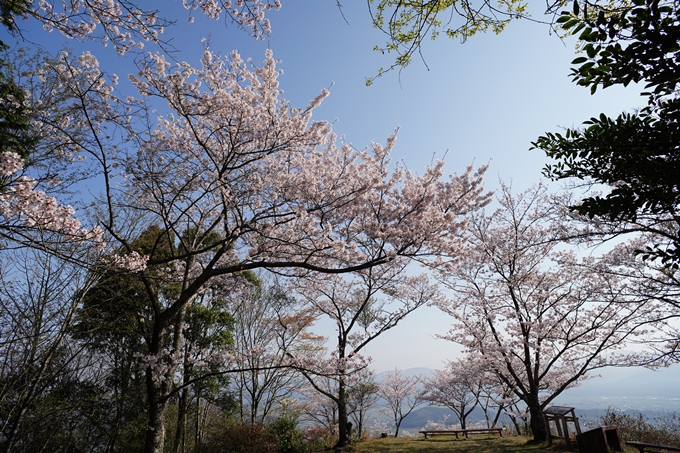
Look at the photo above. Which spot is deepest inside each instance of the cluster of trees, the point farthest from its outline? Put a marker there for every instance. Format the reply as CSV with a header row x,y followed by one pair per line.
x,y
153,314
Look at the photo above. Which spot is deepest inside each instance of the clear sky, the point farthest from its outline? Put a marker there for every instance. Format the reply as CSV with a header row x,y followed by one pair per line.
x,y
484,101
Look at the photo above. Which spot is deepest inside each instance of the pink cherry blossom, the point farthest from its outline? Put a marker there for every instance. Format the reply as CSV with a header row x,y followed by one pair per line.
x,y
539,315
242,180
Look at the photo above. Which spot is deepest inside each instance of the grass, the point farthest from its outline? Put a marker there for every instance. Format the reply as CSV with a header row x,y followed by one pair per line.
x,y
476,444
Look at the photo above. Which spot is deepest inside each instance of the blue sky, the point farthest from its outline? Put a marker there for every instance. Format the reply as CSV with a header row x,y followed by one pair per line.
x,y
484,101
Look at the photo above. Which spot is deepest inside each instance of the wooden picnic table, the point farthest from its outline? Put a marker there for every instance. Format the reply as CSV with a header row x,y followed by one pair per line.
x,y
462,431
642,446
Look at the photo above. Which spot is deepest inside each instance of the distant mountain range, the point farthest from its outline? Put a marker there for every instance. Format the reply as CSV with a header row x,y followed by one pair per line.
x,y
626,389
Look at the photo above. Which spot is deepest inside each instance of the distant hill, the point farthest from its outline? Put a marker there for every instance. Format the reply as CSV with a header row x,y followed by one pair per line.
x,y
419,418
628,388
427,372
624,388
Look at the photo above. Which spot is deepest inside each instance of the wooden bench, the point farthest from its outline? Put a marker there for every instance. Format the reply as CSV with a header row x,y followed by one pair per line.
x,y
462,431
641,446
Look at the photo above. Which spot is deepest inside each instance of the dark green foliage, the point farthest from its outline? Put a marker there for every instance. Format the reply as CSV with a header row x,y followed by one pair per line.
x,y
115,311
15,129
66,414
289,438
638,43
636,154
11,8
112,324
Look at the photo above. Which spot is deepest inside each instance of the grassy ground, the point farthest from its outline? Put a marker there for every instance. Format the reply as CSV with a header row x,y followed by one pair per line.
x,y
440,444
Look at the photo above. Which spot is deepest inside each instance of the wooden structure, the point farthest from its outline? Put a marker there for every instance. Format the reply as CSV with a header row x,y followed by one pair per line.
x,y
462,431
642,446
561,416
600,440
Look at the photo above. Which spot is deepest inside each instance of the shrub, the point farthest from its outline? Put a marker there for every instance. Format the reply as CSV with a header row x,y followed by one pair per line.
x,y
662,430
319,437
239,437
289,439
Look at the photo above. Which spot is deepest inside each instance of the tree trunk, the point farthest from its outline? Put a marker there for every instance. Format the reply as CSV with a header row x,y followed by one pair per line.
x,y
183,408
180,432
360,428
396,428
197,423
537,423
158,391
155,430
343,438
497,416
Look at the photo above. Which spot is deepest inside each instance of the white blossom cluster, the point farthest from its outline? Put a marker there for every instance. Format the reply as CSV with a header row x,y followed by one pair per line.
x,y
21,203
127,26
132,262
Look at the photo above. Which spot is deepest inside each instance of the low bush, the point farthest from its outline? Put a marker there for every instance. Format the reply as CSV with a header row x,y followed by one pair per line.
x,y
319,437
661,430
289,438
281,436
238,437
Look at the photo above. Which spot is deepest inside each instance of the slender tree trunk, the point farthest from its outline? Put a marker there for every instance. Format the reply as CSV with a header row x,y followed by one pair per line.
x,y
11,437
343,438
180,432
197,423
486,417
497,416
183,408
396,427
360,428
466,414
26,398
254,403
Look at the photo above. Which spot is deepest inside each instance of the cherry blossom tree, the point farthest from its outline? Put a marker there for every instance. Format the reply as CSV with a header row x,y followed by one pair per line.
x,y
318,407
28,214
495,398
212,149
650,280
126,24
401,395
362,308
458,388
361,397
539,315
259,183
466,384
